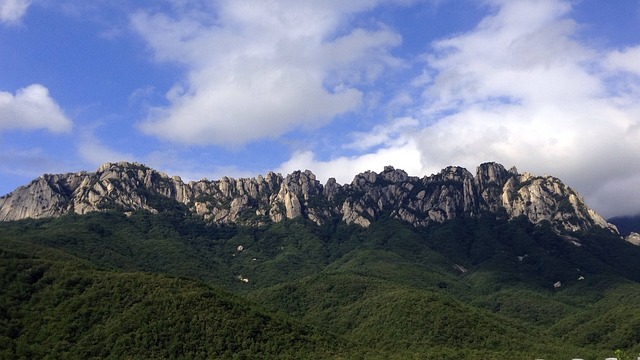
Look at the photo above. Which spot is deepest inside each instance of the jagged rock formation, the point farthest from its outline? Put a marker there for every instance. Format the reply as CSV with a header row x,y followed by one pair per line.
x,y
452,193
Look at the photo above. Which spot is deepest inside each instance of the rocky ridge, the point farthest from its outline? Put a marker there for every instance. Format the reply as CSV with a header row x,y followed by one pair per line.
x,y
454,192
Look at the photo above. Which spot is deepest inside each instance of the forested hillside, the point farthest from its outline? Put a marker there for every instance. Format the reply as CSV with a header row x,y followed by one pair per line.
x,y
167,285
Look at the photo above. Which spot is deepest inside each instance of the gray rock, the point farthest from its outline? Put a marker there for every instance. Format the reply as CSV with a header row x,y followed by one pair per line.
x,y
452,193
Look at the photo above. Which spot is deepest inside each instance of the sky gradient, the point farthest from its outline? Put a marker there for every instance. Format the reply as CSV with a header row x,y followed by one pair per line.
x,y
205,89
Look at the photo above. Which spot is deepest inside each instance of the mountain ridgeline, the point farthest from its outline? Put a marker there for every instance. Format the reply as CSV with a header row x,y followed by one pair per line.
x,y
452,193
129,262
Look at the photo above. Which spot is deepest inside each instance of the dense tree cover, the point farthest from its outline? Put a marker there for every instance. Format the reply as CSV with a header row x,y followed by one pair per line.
x,y
114,285
57,309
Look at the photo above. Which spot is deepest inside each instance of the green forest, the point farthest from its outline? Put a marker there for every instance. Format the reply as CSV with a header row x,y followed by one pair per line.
x,y
168,286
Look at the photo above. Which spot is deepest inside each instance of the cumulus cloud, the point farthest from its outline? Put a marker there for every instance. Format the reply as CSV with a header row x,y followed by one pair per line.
x,y
11,11
521,89
32,108
260,69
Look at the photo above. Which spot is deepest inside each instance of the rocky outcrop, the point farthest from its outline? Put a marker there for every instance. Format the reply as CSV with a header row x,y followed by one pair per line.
x,y
454,192
633,238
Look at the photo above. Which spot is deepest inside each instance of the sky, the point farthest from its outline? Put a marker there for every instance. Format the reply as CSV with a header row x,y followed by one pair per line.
x,y
212,88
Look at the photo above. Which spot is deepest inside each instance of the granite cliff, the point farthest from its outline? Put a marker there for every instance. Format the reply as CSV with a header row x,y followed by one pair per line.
x,y
454,192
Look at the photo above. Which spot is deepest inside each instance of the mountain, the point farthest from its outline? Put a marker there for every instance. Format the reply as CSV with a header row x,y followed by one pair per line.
x,y
452,193
64,308
129,262
168,285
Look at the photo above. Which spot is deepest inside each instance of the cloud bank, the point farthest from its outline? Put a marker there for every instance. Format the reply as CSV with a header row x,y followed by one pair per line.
x,y
260,69
522,89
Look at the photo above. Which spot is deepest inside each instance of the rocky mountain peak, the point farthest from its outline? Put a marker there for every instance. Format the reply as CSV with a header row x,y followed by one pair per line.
x,y
454,173
392,175
633,238
451,193
493,173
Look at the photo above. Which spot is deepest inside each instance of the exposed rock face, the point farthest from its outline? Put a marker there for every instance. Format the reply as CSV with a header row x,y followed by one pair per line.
x,y
454,192
633,238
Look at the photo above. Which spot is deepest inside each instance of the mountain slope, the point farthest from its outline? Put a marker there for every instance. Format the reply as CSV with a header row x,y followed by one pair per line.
x,y
452,193
60,309
456,290
450,266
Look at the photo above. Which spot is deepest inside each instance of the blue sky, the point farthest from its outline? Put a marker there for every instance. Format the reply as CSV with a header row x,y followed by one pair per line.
x,y
238,88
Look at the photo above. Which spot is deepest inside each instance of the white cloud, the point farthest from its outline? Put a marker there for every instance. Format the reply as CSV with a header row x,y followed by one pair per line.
x,y
521,89
384,135
11,11
344,168
32,108
260,69
626,60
